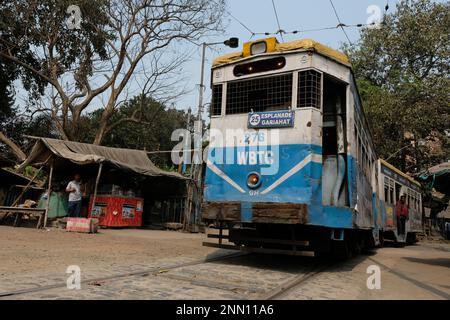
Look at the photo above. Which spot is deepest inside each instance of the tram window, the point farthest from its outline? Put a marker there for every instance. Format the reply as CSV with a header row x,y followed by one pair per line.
x,y
260,94
416,200
386,190
217,100
309,83
259,66
391,195
397,192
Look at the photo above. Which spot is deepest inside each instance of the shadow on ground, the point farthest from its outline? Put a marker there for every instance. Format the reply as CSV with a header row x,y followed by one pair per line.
x,y
443,262
289,264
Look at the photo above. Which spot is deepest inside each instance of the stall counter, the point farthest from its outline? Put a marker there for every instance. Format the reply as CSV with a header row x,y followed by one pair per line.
x,y
117,211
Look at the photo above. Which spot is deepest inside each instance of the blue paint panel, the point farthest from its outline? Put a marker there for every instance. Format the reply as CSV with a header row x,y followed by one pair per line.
x,y
302,187
246,212
332,217
298,188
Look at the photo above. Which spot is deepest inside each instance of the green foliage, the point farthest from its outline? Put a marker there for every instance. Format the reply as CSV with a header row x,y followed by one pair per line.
x,y
402,69
27,27
31,171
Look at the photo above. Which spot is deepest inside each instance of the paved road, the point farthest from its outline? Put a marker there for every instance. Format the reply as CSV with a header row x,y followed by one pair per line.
x,y
415,272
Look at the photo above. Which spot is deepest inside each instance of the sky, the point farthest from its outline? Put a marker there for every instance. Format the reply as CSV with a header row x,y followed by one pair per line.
x,y
259,16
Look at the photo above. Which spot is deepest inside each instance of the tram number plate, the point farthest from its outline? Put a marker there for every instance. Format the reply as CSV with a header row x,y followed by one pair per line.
x,y
272,119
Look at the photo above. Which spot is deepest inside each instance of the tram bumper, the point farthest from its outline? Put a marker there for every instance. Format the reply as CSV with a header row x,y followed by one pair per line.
x,y
256,212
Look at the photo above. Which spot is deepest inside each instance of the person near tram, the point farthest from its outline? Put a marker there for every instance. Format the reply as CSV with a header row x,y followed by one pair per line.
x,y
402,214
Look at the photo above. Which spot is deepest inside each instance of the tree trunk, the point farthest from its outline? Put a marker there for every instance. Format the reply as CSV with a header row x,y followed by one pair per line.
x,y
100,133
20,155
102,126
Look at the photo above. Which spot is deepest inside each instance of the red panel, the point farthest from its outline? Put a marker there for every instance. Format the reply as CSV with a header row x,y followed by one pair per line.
x,y
117,211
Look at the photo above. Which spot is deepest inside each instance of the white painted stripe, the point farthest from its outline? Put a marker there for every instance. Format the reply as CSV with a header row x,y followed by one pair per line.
x,y
230,131
221,174
310,158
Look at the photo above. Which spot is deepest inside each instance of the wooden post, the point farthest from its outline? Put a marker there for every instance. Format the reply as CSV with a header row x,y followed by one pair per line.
x,y
49,191
16,202
25,189
100,167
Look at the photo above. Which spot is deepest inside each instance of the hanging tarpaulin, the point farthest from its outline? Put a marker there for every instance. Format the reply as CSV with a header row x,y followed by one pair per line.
x,y
438,177
84,153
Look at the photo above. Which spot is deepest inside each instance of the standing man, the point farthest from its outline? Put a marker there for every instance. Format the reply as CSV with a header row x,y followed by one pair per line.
x,y
74,190
402,212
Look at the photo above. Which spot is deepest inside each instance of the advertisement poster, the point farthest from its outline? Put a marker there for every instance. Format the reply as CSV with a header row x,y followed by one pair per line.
x,y
99,210
128,211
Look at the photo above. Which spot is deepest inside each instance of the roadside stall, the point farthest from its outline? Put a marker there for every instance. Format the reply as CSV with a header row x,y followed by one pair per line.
x,y
112,180
116,209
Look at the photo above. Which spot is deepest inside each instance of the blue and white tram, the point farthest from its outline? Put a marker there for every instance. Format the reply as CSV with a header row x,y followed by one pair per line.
x,y
291,164
392,185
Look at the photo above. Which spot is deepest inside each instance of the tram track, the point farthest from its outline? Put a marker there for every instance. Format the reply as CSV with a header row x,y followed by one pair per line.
x,y
240,290
237,288
296,281
146,272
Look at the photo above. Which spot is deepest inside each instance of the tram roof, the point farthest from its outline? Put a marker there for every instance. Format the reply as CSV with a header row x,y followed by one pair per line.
x,y
274,47
390,166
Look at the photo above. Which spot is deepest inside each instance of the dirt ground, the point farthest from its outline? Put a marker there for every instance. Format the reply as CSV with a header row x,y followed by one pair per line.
x,y
31,258
25,250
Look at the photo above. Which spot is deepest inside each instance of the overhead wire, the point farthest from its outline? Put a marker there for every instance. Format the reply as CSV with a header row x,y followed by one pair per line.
x,y
341,25
237,20
280,31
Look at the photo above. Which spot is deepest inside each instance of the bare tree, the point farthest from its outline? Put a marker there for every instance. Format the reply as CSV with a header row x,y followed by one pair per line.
x,y
17,151
137,53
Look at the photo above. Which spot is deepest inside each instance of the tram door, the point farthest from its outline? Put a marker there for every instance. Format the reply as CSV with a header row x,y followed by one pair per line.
x,y
334,143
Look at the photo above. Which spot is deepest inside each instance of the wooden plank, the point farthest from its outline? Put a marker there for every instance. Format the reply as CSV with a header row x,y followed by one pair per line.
x,y
221,246
19,212
290,213
302,243
221,211
19,209
279,251
217,236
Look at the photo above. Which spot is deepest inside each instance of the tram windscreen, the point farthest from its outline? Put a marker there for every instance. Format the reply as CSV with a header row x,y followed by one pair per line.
x,y
260,94
259,66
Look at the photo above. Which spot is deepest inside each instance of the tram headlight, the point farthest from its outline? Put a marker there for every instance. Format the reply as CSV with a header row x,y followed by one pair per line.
x,y
258,47
253,180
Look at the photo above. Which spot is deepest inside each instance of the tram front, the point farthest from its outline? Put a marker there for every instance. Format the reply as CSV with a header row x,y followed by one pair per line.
x,y
265,157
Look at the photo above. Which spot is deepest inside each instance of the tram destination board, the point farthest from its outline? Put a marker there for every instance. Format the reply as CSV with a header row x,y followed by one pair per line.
x,y
271,119
399,178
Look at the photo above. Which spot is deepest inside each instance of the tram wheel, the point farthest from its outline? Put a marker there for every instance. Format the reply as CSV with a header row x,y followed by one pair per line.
x,y
381,239
357,247
341,250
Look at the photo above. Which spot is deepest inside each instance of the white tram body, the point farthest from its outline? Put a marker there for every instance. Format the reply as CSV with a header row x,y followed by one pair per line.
x,y
291,162
392,184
